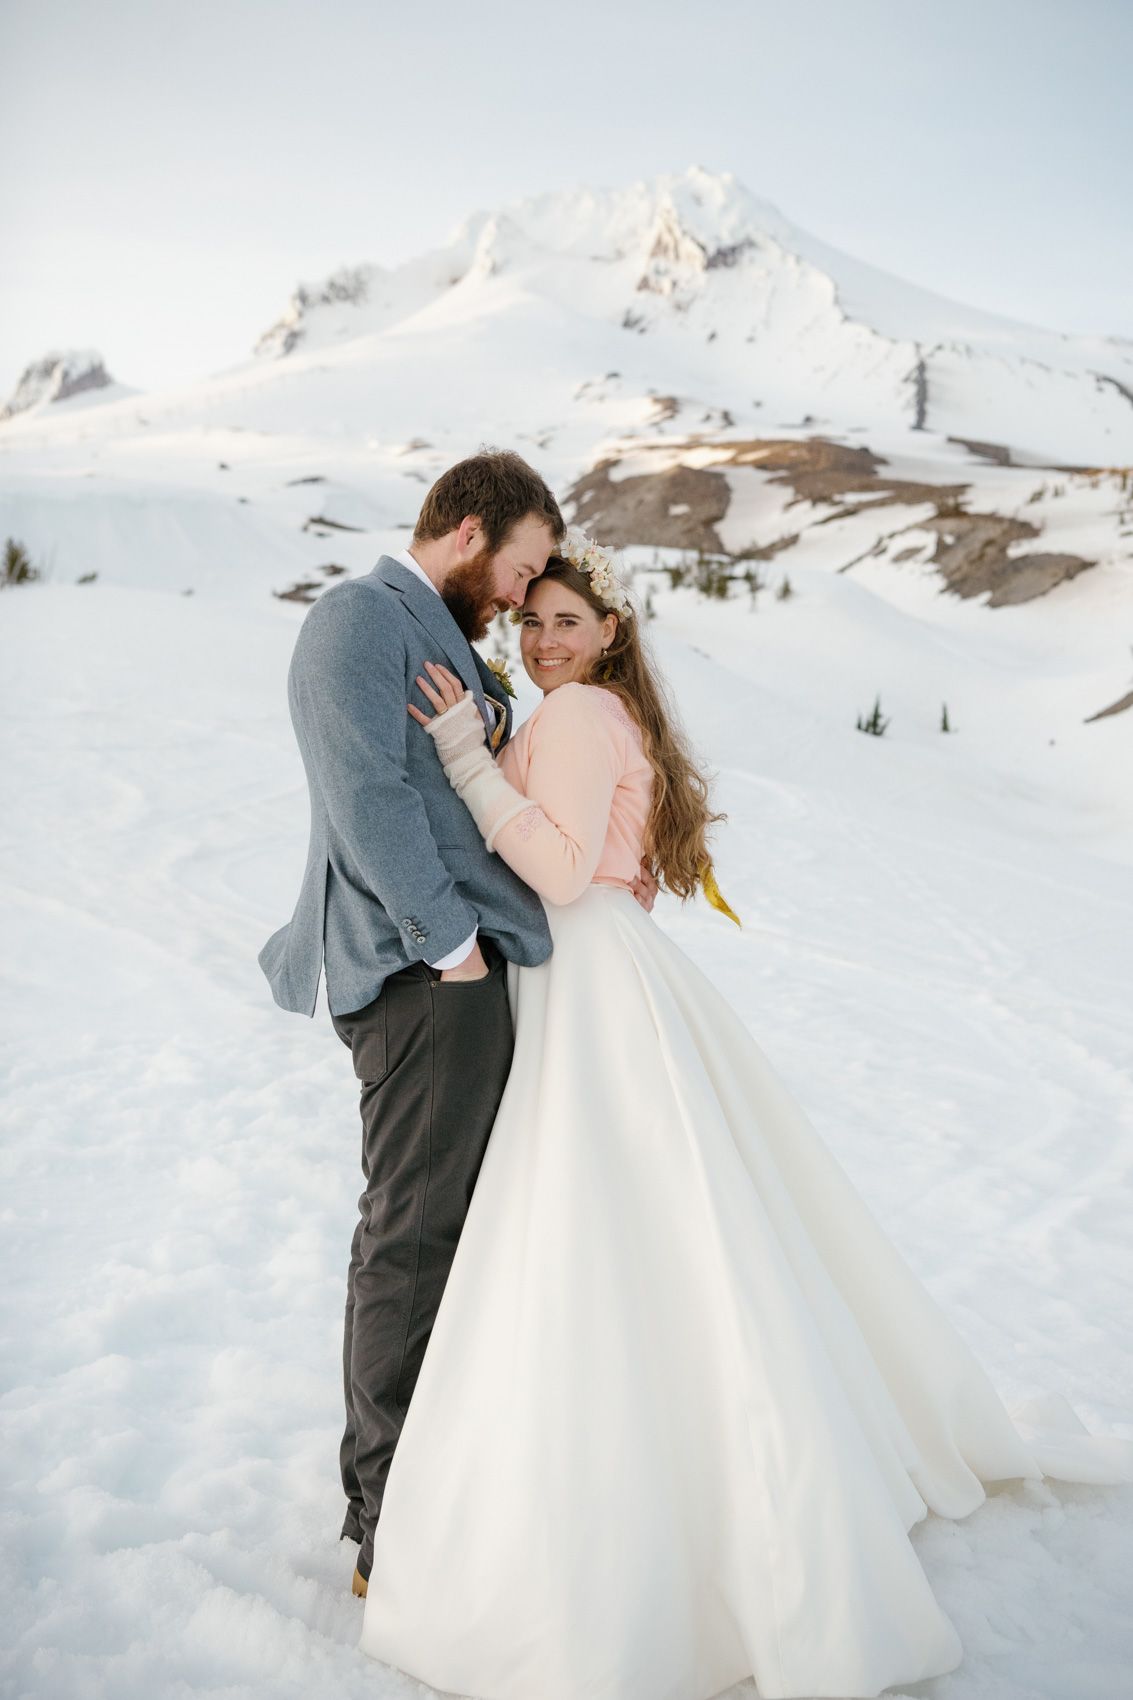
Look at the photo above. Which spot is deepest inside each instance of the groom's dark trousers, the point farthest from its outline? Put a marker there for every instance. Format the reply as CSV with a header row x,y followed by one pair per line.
x,y
433,1057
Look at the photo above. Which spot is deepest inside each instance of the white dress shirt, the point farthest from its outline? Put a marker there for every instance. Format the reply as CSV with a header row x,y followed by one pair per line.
x,y
457,956
405,559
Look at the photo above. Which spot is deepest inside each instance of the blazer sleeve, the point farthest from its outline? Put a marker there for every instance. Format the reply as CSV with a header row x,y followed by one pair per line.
x,y
347,694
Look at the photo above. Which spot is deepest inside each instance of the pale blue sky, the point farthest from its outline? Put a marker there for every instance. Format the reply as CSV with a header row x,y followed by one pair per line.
x,y
171,170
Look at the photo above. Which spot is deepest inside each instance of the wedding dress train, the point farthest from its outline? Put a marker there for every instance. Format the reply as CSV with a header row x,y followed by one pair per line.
x,y
683,1399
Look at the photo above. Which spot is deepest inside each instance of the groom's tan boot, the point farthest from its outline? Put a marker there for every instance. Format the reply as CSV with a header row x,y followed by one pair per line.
x,y
359,1584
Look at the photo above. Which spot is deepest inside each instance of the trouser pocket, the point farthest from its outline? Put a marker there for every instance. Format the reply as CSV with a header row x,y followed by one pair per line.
x,y
366,1032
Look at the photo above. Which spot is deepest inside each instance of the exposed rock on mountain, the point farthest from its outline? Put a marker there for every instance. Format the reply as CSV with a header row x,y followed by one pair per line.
x,y
350,286
677,508
682,506
973,556
58,377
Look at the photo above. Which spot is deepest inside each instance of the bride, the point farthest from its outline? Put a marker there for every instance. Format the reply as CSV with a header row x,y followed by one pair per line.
x,y
683,1400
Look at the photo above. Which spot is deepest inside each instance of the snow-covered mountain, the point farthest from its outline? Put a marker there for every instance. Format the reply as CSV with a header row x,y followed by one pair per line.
x,y
759,319
689,369
678,330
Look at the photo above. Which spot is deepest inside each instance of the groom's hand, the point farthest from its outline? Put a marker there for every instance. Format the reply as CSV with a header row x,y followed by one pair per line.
x,y
472,968
645,887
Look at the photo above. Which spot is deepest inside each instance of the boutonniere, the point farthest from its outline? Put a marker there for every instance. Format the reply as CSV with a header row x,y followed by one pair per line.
x,y
501,673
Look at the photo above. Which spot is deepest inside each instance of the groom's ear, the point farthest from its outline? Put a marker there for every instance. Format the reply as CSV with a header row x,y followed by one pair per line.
x,y
469,534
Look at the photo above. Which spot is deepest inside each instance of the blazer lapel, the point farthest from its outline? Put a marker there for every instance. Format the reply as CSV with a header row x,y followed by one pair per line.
x,y
429,610
494,692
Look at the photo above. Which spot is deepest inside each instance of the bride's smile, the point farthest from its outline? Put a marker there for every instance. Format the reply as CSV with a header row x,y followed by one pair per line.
x,y
561,635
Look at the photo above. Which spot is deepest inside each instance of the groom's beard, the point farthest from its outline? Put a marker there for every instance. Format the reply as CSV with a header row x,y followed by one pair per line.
x,y
469,598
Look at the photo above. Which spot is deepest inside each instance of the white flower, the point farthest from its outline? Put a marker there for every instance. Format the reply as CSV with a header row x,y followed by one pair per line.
x,y
599,566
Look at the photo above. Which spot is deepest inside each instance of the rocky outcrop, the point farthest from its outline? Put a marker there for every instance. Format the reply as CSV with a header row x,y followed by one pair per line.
x,y
677,508
681,507
1118,707
349,286
994,454
816,469
57,377
972,557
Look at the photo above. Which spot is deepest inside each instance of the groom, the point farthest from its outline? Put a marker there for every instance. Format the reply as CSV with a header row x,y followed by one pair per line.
x,y
411,918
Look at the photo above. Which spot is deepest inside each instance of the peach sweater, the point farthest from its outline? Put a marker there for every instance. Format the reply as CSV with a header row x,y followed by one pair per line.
x,y
579,759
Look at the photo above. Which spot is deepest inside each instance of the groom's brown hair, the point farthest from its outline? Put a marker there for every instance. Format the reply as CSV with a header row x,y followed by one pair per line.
x,y
497,486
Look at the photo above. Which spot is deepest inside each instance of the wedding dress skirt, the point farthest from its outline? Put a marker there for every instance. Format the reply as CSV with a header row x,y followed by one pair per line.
x,y
683,1399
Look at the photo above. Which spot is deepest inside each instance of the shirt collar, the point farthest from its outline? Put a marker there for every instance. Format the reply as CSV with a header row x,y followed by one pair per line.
x,y
405,559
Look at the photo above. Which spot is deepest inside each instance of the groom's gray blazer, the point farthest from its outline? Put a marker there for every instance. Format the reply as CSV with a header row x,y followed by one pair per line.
x,y
396,869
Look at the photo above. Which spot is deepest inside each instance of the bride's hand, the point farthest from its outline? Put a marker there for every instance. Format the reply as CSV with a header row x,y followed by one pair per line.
x,y
446,695
645,887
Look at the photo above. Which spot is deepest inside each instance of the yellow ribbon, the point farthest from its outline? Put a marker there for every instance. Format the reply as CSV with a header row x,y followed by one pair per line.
x,y
714,895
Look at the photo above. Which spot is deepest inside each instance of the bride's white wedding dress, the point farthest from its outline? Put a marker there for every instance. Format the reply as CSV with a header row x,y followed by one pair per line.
x,y
683,1399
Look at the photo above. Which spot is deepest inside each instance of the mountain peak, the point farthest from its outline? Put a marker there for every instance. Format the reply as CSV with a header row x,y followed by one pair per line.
x,y
692,289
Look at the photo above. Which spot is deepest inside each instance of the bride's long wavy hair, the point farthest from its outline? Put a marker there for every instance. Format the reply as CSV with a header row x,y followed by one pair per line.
x,y
676,834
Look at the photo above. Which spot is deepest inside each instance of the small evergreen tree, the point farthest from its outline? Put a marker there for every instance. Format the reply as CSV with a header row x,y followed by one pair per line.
x,y
873,723
784,589
712,577
944,726
17,568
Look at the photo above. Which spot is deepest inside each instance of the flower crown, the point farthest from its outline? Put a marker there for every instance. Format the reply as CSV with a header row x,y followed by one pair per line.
x,y
600,568
598,565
